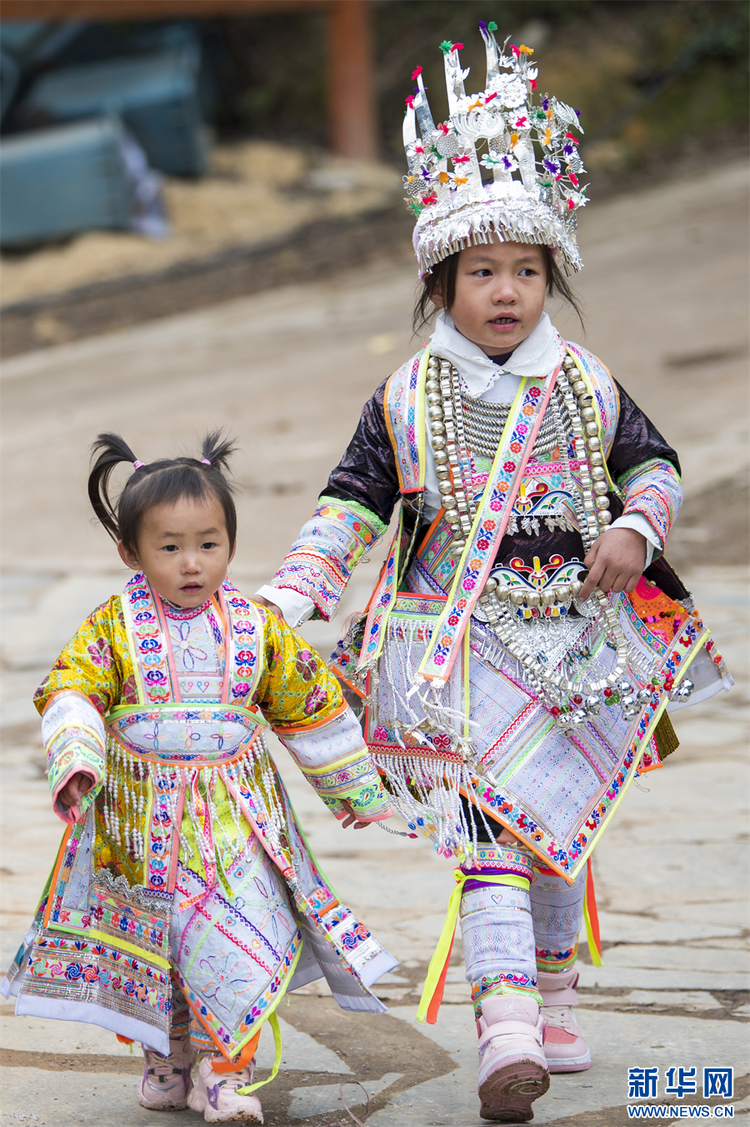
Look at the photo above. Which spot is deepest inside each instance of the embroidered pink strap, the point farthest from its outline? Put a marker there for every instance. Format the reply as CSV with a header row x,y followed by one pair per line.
x,y
492,518
382,600
405,401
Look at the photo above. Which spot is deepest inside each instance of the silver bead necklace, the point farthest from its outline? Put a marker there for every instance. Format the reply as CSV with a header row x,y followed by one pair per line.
x,y
571,701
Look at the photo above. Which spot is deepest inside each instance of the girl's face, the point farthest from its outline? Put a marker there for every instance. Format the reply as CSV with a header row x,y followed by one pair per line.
x,y
183,550
500,292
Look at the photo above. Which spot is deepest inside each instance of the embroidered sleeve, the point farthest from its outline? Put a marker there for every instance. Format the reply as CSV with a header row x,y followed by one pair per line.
x,y
646,469
95,662
87,680
653,490
73,734
303,702
327,550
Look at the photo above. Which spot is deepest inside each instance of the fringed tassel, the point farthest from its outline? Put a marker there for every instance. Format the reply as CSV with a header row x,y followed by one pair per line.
x,y
426,793
591,917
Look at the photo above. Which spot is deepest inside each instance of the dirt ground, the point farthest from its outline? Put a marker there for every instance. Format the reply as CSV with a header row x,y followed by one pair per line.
x,y
265,215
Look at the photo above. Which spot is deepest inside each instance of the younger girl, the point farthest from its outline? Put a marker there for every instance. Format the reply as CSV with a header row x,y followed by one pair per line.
x,y
184,901
515,662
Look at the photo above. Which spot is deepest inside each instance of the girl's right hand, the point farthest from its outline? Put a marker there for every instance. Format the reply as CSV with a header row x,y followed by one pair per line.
x,y
76,787
351,818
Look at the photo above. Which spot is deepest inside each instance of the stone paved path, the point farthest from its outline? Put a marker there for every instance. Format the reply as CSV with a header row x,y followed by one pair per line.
x,y
287,372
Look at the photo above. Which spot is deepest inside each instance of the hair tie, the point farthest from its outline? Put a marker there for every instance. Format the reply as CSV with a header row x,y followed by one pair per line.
x,y
205,462
138,465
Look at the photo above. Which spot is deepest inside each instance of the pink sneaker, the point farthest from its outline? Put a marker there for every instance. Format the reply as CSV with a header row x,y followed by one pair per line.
x,y
512,1069
166,1081
564,1044
216,1095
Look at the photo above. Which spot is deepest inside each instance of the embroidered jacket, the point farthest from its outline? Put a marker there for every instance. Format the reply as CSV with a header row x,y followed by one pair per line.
x,y
292,688
363,489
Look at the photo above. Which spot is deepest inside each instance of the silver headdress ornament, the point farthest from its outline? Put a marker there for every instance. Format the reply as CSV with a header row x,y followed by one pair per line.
x,y
531,195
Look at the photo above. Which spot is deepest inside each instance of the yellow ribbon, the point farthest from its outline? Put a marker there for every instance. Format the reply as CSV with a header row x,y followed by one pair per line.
x,y
273,1021
445,942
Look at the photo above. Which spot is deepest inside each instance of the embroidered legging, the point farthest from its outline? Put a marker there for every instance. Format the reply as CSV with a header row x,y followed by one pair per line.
x,y
509,932
557,910
497,927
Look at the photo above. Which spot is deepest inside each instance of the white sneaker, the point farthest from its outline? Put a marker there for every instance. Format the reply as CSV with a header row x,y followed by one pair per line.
x,y
512,1067
564,1045
215,1094
166,1081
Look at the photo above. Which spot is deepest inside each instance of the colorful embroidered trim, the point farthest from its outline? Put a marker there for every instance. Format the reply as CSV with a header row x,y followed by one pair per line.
x,y
327,550
555,962
654,490
494,858
150,646
132,985
368,799
490,985
382,601
405,420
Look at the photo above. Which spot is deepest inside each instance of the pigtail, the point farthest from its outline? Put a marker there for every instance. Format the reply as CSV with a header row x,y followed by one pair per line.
x,y
162,482
111,450
217,450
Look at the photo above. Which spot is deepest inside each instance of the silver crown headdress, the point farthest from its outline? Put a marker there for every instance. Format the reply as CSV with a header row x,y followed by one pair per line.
x,y
533,195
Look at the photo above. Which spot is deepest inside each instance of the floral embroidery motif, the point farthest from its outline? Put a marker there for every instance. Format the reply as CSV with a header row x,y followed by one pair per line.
x,y
315,700
306,665
101,653
186,649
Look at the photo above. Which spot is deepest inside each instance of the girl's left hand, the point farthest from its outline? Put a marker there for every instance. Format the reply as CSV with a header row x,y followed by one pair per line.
x,y
351,818
615,561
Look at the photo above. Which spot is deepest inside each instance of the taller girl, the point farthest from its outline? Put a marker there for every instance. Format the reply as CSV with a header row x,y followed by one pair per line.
x,y
515,662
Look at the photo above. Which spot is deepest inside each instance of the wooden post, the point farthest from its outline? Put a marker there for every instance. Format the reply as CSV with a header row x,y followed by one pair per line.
x,y
350,81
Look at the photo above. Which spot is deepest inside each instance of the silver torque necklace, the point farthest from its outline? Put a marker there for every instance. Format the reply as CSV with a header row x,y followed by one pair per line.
x,y
484,424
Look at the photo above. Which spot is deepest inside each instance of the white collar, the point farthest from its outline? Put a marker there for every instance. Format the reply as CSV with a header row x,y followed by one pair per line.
x,y
538,356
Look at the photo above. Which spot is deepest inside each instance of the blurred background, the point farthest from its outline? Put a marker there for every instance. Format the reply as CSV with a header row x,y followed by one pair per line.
x,y
165,155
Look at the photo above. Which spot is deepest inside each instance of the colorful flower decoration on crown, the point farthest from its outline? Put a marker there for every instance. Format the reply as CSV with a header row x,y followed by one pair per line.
x,y
505,163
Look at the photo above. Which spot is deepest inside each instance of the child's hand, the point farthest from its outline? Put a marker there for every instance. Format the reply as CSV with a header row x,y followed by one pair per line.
x,y
74,790
351,818
269,606
507,838
615,561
